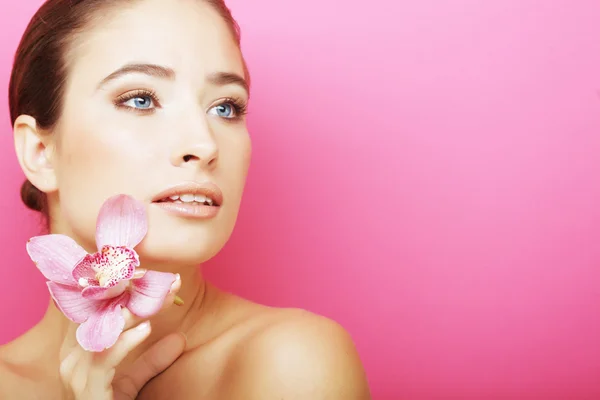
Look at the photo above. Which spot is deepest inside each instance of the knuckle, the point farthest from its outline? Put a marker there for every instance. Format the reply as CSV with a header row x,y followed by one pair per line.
x,y
126,387
64,374
65,370
151,366
78,386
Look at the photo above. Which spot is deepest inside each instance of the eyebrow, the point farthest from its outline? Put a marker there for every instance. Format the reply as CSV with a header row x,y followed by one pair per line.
x,y
228,78
146,69
159,71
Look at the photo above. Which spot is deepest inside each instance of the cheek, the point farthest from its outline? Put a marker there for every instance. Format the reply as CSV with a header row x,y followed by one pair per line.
x,y
89,170
236,165
101,162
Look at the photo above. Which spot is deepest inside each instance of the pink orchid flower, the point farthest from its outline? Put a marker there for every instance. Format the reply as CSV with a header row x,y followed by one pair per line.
x,y
91,289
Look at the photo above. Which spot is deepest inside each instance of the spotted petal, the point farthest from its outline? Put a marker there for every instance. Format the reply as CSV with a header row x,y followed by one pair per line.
x,y
149,293
69,301
121,222
55,256
107,267
83,270
102,328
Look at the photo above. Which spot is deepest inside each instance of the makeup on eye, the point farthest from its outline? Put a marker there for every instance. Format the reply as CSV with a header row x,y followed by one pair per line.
x,y
146,101
237,106
148,97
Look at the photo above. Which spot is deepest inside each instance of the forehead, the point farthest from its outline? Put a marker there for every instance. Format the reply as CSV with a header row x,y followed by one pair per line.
x,y
188,36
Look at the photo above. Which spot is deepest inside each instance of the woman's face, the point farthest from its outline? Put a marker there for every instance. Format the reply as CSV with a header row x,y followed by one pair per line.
x,y
154,98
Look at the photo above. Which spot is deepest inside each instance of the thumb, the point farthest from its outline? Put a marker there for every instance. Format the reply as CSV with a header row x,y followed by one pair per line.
x,y
151,363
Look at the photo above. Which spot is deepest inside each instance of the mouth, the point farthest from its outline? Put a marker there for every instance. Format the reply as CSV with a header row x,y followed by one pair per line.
x,y
192,194
189,198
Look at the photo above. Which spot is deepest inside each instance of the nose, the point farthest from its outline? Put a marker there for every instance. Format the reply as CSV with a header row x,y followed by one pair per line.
x,y
197,147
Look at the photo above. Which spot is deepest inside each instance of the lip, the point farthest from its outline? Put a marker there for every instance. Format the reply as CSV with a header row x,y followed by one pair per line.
x,y
188,210
191,210
207,189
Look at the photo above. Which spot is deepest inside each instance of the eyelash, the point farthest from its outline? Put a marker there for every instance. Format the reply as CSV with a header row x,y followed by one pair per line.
x,y
133,95
240,107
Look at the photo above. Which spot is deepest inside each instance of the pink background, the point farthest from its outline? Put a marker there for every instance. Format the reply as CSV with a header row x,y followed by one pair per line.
x,y
425,172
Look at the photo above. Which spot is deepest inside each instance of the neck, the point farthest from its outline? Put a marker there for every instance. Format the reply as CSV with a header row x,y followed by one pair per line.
x,y
173,319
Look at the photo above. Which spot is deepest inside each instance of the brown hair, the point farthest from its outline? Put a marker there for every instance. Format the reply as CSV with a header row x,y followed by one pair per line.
x,y
39,71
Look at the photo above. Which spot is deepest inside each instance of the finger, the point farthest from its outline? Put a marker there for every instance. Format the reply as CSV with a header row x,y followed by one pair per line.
x,y
154,361
127,341
110,375
99,383
131,320
177,284
79,379
67,366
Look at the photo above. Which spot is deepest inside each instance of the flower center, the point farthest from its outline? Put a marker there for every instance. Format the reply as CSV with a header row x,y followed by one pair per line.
x,y
113,264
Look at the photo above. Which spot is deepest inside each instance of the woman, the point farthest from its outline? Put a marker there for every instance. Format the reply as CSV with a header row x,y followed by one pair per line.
x,y
147,98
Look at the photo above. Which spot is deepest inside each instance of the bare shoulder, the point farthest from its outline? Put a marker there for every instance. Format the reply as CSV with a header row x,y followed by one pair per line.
x,y
295,354
264,353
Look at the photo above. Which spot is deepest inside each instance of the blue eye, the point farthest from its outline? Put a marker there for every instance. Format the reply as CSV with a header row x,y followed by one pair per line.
x,y
143,102
225,110
231,109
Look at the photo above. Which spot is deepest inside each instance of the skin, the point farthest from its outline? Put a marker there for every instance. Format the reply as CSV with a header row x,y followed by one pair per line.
x,y
223,347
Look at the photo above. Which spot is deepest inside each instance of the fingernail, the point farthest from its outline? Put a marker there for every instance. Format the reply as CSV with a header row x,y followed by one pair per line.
x,y
143,326
178,301
177,278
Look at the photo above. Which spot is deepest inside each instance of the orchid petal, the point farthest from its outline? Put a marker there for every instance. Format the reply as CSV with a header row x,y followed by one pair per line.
x,y
69,301
55,256
104,293
149,293
121,222
102,328
83,270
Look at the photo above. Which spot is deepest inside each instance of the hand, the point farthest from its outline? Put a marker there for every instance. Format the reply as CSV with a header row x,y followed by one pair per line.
x,y
91,376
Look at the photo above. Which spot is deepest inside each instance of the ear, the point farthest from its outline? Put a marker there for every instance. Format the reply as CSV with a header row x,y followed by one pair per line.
x,y
34,151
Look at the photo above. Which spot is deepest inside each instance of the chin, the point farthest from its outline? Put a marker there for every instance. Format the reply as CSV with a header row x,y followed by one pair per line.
x,y
177,252
186,244
174,239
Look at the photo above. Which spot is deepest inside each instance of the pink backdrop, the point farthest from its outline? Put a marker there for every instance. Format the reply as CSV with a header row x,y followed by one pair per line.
x,y
425,172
